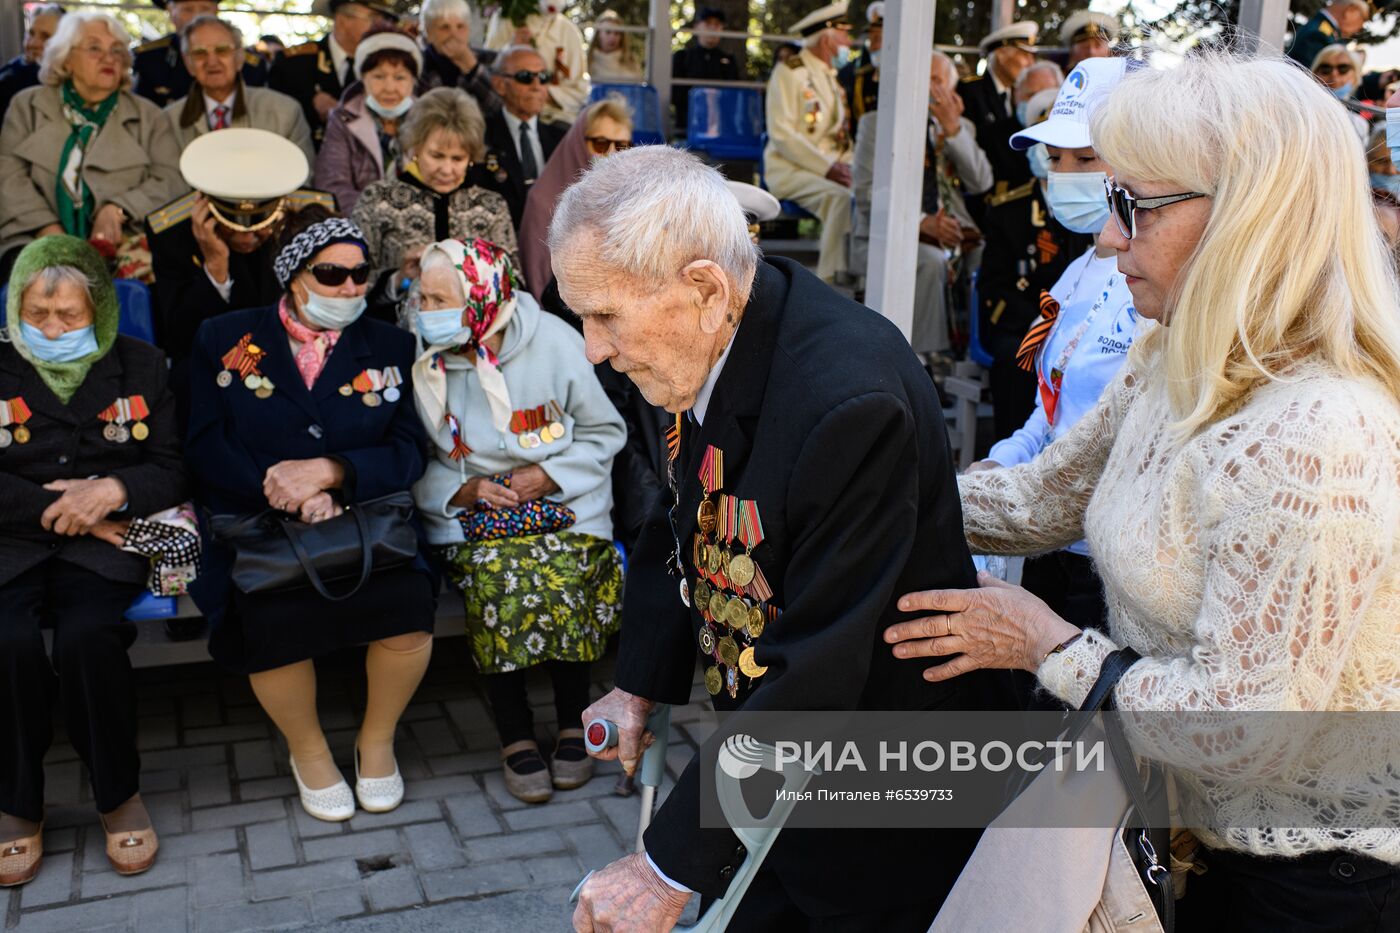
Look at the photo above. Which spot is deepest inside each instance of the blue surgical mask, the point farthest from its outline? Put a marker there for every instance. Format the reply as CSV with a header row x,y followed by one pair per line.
x,y
1021,112
330,313
1039,158
440,328
1343,92
1387,183
67,347
388,113
842,56
1077,200
874,57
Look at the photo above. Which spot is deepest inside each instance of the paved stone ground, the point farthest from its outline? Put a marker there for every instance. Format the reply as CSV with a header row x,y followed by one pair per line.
x,y
238,853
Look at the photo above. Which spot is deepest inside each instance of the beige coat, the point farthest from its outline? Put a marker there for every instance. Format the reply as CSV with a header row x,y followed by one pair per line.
x,y
256,107
806,111
132,162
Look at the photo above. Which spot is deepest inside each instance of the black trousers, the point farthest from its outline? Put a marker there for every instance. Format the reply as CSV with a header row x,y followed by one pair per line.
x,y
1330,891
767,908
511,706
1013,389
1068,584
90,678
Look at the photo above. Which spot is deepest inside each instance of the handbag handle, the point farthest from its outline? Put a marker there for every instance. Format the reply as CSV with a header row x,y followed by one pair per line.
x,y
366,558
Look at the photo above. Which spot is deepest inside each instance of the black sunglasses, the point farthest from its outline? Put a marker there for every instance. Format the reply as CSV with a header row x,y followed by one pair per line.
x,y
601,145
528,77
1325,71
330,275
1123,205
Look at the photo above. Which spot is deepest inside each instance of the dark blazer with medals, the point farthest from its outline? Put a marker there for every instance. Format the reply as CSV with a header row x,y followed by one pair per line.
x,y
234,436
1312,37
829,423
67,442
159,74
303,71
861,81
987,111
500,170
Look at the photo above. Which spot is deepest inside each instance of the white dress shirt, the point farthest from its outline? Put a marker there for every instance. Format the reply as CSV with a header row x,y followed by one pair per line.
x,y
513,124
210,104
339,58
702,398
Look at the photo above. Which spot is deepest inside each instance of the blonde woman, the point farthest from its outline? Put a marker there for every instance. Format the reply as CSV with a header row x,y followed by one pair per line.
x,y
611,56
1339,70
1239,487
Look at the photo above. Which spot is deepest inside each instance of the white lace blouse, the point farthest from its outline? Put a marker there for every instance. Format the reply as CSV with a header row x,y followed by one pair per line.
x,y
1254,567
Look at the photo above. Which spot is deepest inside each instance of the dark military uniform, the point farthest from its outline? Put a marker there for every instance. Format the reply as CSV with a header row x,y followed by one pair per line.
x,y
861,82
995,120
158,70
302,72
1026,252
1314,36
15,76
500,170
701,64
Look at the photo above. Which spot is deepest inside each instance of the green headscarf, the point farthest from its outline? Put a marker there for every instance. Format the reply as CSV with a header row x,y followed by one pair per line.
x,y
61,250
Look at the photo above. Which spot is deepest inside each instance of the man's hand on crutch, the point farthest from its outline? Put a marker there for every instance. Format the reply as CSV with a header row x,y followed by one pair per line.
x,y
629,713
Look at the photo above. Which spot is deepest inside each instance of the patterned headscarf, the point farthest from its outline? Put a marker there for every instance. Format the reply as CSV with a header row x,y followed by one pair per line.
x,y
306,244
490,286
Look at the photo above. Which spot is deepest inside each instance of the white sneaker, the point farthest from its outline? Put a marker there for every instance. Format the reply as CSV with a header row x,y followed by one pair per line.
x,y
333,804
378,795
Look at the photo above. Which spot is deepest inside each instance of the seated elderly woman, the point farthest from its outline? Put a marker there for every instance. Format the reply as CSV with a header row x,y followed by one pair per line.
x,y
85,115
1237,488
362,144
1339,70
601,129
517,501
430,199
87,437
304,407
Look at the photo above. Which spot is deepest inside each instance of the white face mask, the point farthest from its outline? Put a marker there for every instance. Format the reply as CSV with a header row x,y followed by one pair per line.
x,y
330,313
388,113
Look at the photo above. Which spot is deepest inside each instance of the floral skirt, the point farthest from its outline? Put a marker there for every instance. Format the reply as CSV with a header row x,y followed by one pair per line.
x,y
537,598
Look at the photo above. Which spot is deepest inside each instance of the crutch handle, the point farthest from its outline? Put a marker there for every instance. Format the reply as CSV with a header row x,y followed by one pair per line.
x,y
599,735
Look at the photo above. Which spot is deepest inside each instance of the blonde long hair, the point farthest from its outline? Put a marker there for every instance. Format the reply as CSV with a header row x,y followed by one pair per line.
x,y
1292,264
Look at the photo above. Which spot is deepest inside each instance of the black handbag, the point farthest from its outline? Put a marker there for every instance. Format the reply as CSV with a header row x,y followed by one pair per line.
x,y
274,551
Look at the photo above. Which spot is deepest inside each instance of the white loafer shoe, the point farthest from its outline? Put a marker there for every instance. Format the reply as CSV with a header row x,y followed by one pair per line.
x,y
333,804
378,795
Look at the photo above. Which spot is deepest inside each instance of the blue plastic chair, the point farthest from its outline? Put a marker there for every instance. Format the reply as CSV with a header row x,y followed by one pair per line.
x,y
789,208
975,351
134,301
647,128
726,123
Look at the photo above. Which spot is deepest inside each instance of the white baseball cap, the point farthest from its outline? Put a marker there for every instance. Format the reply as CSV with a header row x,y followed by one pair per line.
x,y
1087,86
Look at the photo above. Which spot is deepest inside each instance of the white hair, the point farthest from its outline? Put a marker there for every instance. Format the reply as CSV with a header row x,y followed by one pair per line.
x,y
1363,5
434,10
655,210
950,70
209,20
50,277
53,68
498,67
1337,48
1041,65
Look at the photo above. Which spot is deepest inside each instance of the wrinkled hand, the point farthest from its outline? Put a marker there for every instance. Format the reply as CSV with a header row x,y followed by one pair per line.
x,y
946,107
324,104
481,489
997,626
981,466
114,533
287,485
206,235
319,508
532,483
629,713
941,229
84,503
107,224
840,173
628,895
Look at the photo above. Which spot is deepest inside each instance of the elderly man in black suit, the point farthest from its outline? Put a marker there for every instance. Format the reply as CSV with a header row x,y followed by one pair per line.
x,y
832,436
518,142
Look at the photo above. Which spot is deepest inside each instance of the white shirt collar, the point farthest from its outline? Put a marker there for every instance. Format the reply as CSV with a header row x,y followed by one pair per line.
x,y
702,398
338,56
210,103
514,122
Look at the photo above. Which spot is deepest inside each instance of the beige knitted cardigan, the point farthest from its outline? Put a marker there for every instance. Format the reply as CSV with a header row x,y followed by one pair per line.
x,y
1254,566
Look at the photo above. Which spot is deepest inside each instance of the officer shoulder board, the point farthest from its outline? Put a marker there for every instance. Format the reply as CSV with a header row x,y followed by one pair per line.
x,y
795,62
251,59
305,197
306,48
162,43
1325,28
969,79
163,218
1002,195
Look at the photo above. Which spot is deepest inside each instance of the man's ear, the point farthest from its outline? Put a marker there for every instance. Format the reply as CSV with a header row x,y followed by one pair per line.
x,y
709,288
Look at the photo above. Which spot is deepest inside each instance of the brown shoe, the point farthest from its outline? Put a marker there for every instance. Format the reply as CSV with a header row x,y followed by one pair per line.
x,y
132,852
525,773
575,767
20,859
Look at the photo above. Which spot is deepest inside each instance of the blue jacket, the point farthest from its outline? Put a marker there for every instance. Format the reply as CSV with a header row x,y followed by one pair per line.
x,y
234,436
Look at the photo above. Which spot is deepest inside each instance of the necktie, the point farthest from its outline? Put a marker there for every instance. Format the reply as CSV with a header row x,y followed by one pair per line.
x,y
221,117
349,77
527,155
1049,310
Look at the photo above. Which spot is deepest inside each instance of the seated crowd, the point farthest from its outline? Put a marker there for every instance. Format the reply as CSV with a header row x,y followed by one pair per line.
x,y
347,253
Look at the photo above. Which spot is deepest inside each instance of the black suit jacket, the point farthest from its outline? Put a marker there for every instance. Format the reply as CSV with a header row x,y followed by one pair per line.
x,y
159,74
829,423
184,296
234,436
302,72
66,442
987,111
500,170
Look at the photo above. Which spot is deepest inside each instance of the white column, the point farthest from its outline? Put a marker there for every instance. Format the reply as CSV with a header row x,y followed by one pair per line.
x,y
899,159
1263,23
659,54
1004,13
